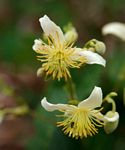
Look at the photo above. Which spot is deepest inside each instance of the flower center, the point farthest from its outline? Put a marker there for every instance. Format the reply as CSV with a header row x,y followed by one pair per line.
x,y
58,60
80,123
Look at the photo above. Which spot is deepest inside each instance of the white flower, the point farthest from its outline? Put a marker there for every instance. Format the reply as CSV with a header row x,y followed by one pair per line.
x,y
115,28
59,55
82,120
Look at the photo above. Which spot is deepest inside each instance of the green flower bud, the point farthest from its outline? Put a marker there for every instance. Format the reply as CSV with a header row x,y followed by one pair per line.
x,y
100,47
96,46
71,35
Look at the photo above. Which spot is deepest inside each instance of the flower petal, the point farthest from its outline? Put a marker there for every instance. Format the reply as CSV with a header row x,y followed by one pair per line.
x,y
115,28
93,101
92,57
51,29
111,116
51,107
37,44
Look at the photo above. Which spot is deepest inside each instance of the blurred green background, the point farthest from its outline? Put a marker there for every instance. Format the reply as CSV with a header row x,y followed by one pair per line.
x,y
19,26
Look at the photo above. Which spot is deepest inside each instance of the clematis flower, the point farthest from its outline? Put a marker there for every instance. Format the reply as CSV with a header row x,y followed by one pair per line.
x,y
115,28
58,55
82,120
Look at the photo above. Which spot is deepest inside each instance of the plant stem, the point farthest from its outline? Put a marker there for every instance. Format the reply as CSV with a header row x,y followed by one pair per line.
x,y
109,99
71,90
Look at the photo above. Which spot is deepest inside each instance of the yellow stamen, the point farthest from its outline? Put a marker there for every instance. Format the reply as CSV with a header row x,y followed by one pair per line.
x,y
80,123
57,59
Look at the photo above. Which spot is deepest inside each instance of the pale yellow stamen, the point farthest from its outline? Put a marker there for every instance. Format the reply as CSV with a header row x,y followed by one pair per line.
x,y
80,123
58,58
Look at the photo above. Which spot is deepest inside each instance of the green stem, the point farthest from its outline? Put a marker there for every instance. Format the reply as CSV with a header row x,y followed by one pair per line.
x,y
109,99
72,91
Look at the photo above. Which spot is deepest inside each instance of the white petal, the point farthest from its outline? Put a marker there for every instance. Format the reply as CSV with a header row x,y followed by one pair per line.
x,y
92,57
115,28
51,29
37,44
114,116
93,101
51,107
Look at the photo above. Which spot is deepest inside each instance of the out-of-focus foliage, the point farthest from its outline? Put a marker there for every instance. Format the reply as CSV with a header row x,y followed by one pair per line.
x,y
19,26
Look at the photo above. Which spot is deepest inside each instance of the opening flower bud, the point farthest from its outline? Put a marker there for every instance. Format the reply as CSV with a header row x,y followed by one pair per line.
x,y
111,121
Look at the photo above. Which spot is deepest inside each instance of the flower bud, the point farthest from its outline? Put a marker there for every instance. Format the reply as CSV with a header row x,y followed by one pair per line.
x,y
71,35
100,47
111,121
96,46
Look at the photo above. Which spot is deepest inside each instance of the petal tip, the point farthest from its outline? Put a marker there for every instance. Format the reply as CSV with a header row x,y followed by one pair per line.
x,y
94,100
43,101
37,44
97,88
93,58
104,63
44,17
